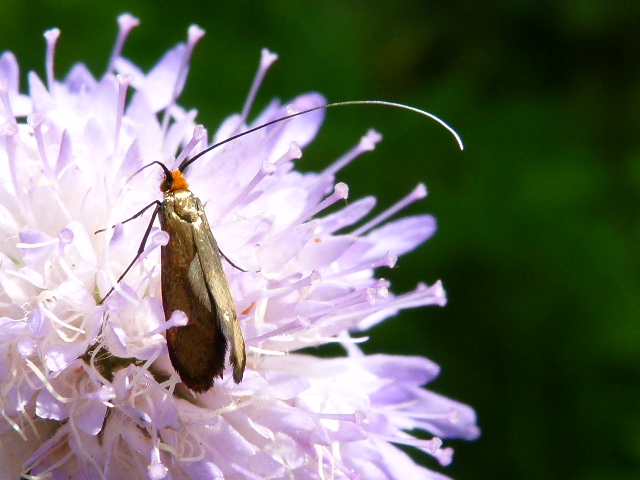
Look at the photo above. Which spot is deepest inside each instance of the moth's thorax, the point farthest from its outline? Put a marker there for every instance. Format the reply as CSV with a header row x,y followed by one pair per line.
x,y
181,204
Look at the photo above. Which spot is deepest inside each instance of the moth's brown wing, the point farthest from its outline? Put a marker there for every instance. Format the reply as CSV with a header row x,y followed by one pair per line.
x,y
197,350
218,287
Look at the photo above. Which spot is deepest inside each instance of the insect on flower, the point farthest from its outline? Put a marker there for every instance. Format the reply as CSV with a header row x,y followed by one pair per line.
x,y
192,278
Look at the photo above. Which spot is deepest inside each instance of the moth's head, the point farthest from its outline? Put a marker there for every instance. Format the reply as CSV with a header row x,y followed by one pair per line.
x,y
172,181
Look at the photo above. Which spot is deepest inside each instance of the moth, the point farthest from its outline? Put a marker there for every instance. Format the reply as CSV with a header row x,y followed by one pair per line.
x,y
194,282
192,277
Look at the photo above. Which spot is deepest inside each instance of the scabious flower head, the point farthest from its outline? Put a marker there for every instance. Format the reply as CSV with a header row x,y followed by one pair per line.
x,y
87,391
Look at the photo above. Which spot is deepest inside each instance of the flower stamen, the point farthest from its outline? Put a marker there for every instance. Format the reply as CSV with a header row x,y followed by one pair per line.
x,y
143,370
416,194
47,472
266,60
126,23
366,144
10,130
4,97
388,260
313,279
35,120
194,34
340,192
266,169
51,37
124,80
45,382
199,133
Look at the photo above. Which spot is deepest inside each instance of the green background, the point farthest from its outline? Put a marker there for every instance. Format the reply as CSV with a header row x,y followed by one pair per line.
x,y
538,218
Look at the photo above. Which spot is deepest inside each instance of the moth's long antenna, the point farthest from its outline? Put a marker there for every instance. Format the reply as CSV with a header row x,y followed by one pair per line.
x,y
185,163
165,170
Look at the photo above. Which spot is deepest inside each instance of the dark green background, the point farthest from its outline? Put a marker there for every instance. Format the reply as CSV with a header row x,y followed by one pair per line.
x,y
538,218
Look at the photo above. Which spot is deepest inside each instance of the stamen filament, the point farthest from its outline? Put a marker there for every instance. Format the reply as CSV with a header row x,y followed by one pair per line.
x,y
6,103
126,23
366,144
10,130
51,37
35,120
266,60
267,169
417,193
124,80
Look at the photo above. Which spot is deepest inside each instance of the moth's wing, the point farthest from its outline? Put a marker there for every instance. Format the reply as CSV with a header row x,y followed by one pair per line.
x,y
198,349
211,267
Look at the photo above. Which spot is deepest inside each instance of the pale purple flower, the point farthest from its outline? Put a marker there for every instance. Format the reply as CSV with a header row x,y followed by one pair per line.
x,y
87,391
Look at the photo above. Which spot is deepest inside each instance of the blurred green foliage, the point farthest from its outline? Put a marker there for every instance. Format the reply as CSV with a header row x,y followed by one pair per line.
x,y
538,217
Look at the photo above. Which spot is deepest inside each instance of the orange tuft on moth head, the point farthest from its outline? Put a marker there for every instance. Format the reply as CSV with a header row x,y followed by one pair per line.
x,y
176,181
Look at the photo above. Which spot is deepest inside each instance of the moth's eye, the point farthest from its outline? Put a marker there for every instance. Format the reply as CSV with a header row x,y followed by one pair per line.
x,y
166,184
